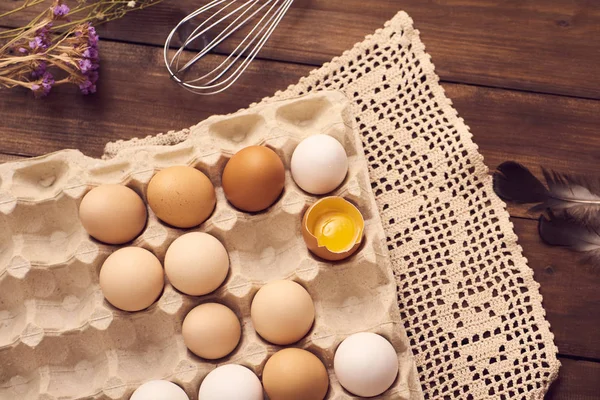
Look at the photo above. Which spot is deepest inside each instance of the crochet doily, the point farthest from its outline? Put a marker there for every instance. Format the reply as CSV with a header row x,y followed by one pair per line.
x,y
468,300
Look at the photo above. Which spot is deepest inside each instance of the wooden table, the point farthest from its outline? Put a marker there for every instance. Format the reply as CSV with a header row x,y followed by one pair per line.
x,y
523,74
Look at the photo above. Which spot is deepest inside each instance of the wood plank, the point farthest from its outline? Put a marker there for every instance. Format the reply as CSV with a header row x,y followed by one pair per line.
x,y
136,98
570,291
545,46
577,380
536,130
9,157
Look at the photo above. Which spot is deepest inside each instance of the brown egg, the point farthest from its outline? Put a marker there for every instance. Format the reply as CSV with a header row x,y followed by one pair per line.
x,y
282,312
211,331
253,178
131,278
181,196
295,374
113,214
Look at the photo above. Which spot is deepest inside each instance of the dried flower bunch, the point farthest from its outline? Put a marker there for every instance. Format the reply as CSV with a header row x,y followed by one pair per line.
x,y
59,46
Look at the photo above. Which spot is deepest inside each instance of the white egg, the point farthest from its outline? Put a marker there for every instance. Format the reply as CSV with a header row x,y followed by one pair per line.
x,y
231,382
319,164
159,390
365,364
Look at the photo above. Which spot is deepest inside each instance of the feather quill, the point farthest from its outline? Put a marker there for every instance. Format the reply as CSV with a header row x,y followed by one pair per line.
x,y
563,230
579,195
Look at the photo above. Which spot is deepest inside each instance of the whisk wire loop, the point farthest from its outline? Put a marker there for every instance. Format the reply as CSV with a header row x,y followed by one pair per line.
x,y
269,14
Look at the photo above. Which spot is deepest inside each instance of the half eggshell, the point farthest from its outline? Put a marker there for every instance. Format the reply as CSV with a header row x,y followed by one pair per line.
x,y
316,243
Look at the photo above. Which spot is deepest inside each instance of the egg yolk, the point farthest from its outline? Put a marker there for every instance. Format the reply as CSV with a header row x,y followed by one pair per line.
x,y
335,230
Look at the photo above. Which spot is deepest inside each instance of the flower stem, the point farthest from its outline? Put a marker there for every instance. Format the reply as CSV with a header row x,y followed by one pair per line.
x,y
30,28
27,4
8,82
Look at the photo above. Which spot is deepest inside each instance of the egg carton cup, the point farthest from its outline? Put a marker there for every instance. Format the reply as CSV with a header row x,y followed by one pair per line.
x,y
59,337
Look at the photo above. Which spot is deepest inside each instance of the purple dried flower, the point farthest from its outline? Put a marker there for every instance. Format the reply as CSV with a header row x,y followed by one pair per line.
x,y
60,10
94,75
47,82
42,39
88,86
92,53
85,65
89,63
44,31
39,71
36,43
93,36
23,50
42,88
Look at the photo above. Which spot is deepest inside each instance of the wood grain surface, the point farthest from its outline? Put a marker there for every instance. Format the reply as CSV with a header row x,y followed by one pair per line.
x,y
569,290
523,75
578,380
544,45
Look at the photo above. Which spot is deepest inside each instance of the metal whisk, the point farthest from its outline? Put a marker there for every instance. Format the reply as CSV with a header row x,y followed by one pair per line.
x,y
234,14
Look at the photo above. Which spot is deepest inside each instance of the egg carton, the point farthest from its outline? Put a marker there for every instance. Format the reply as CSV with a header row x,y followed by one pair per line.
x,y
59,338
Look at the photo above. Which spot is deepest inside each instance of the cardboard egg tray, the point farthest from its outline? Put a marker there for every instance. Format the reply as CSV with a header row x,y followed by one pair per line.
x,y
59,338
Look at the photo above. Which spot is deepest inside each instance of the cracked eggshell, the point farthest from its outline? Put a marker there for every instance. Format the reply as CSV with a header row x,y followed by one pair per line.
x,y
322,206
